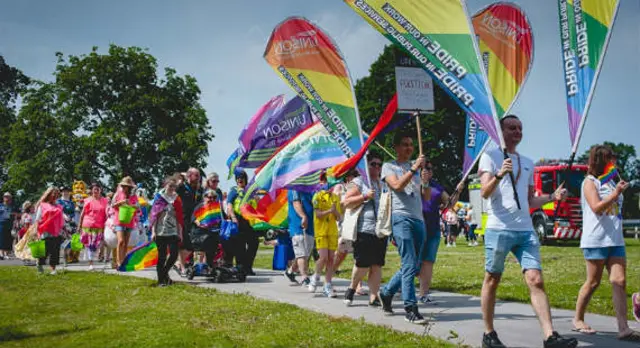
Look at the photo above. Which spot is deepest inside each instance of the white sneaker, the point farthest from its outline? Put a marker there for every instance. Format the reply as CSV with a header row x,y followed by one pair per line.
x,y
313,284
448,245
90,267
454,244
54,272
328,291
475,243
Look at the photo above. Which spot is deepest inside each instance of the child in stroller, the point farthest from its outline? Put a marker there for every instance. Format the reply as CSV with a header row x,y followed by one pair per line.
x,y
205,237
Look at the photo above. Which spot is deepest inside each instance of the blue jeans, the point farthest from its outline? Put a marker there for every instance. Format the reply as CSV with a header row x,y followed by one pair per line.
x,y
523,244
409,234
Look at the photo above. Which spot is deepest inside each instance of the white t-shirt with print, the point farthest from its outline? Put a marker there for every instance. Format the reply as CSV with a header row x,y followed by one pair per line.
x,y
604,230
503,211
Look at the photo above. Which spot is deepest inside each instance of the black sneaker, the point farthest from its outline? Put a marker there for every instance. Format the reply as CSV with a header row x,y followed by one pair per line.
x,y
375,303
557,341
348,296
291,276
386,303
306,281
413,316
491,340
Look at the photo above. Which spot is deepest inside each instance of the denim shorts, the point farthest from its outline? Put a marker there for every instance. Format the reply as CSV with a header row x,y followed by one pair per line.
x,y
523,244
430,249
123,229
604,253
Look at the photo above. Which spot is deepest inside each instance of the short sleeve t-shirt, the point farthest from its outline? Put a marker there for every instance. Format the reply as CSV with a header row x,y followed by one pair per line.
x,y
503,212
295,222
406,202
431,208
367,218
95,212
327,225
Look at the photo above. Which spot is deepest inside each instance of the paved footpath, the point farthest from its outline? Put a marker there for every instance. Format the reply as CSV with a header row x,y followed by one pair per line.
x,y
456,318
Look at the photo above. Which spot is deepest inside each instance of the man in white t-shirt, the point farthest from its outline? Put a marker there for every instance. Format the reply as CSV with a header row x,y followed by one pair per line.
x,y
510,229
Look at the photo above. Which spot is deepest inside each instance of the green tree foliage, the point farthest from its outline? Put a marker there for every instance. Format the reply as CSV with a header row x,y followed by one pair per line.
x,y
12,83
628,164
106,116
442,132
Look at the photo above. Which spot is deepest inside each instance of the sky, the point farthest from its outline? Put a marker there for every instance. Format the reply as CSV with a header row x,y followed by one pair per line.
x,y
221,44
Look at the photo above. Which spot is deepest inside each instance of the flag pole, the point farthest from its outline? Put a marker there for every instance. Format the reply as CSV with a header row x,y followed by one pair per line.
x,y
417,115
380,146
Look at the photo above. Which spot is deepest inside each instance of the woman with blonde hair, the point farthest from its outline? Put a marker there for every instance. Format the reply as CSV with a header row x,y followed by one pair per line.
x,y
124,198
50,221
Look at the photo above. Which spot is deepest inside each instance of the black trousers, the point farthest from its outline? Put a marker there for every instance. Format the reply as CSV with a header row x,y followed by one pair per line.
x,y
211,248
52,251
164,263
248,243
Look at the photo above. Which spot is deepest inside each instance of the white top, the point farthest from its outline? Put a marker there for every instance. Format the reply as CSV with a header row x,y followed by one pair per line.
x,y
503,213
472,217
604,230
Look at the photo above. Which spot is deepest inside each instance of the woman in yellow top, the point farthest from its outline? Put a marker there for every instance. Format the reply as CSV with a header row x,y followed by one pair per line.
x,y
326,206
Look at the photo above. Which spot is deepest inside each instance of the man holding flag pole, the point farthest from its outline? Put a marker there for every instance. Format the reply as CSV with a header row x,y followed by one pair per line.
x,y
509,228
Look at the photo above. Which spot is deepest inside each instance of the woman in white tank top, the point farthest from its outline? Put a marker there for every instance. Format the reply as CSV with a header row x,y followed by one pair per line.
x,y
602,242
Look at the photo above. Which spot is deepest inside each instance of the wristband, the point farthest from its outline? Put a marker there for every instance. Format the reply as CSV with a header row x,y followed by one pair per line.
x,y
499,177
412,170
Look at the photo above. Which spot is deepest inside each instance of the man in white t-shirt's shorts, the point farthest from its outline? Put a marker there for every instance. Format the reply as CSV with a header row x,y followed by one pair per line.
x,y
510,229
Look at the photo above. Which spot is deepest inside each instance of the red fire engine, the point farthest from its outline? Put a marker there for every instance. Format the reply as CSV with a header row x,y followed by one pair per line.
x,y
567,223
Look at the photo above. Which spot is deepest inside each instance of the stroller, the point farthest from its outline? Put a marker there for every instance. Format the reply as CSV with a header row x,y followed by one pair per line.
x,y
204,240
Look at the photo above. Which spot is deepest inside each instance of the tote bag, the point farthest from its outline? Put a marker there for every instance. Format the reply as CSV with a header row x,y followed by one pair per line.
x,y
350,223
383,223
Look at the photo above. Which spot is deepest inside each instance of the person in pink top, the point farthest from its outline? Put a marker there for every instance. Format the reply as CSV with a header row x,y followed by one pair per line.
x,y
50,220
92,221
124,197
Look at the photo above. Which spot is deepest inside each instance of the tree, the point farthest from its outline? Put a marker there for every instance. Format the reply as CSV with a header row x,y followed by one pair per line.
x,y
442,132
12,83
629,167
107,116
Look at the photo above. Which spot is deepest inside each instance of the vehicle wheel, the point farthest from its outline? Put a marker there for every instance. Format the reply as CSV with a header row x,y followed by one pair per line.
x,y
190,273
217,277
541,230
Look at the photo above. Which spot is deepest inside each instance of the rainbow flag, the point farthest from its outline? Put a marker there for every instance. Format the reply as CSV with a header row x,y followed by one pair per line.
x,y
505,40
610,172
208,215
270,212
141,257
585,29
311,150
311,63
438,34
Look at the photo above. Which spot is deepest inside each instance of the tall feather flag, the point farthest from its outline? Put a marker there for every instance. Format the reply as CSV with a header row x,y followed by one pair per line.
x,y
273,125
311,150
270,212
585,29
313,66
140,257
505,40
438,34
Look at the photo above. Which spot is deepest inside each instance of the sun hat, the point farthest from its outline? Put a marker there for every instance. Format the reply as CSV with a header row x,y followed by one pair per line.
x,y
127,181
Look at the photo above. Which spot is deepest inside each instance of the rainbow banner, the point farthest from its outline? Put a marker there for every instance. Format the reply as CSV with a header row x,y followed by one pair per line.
x,y
270,212
310,62
505,40
139,258
585,29
274,124
311,150
438,34
208,215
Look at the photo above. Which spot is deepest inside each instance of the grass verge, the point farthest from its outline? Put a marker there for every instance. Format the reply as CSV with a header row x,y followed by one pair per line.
x,y
78,309
461,270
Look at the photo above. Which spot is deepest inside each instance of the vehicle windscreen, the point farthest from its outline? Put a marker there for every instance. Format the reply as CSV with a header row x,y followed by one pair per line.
x,y
572,181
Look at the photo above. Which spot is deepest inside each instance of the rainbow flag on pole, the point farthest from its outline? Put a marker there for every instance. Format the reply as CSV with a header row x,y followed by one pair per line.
x,y
585,29
438,34
270,212
505,40
311,63
311,150
141,257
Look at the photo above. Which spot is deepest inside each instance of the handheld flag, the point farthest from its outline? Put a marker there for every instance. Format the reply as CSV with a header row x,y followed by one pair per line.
x,y
270,212
610,172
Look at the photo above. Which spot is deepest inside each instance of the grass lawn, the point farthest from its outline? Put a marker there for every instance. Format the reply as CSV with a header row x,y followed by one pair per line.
x,y
79,309
461,270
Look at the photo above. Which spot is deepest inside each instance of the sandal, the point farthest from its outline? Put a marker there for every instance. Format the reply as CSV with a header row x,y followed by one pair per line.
x,y
587,330
631,336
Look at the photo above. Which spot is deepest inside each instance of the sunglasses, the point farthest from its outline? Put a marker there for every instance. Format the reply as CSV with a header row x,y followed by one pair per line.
x,y
214,180
173,186
428,168
210,196
375,164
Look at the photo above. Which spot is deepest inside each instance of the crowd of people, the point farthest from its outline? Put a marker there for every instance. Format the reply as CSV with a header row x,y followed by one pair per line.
x,y
351,218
